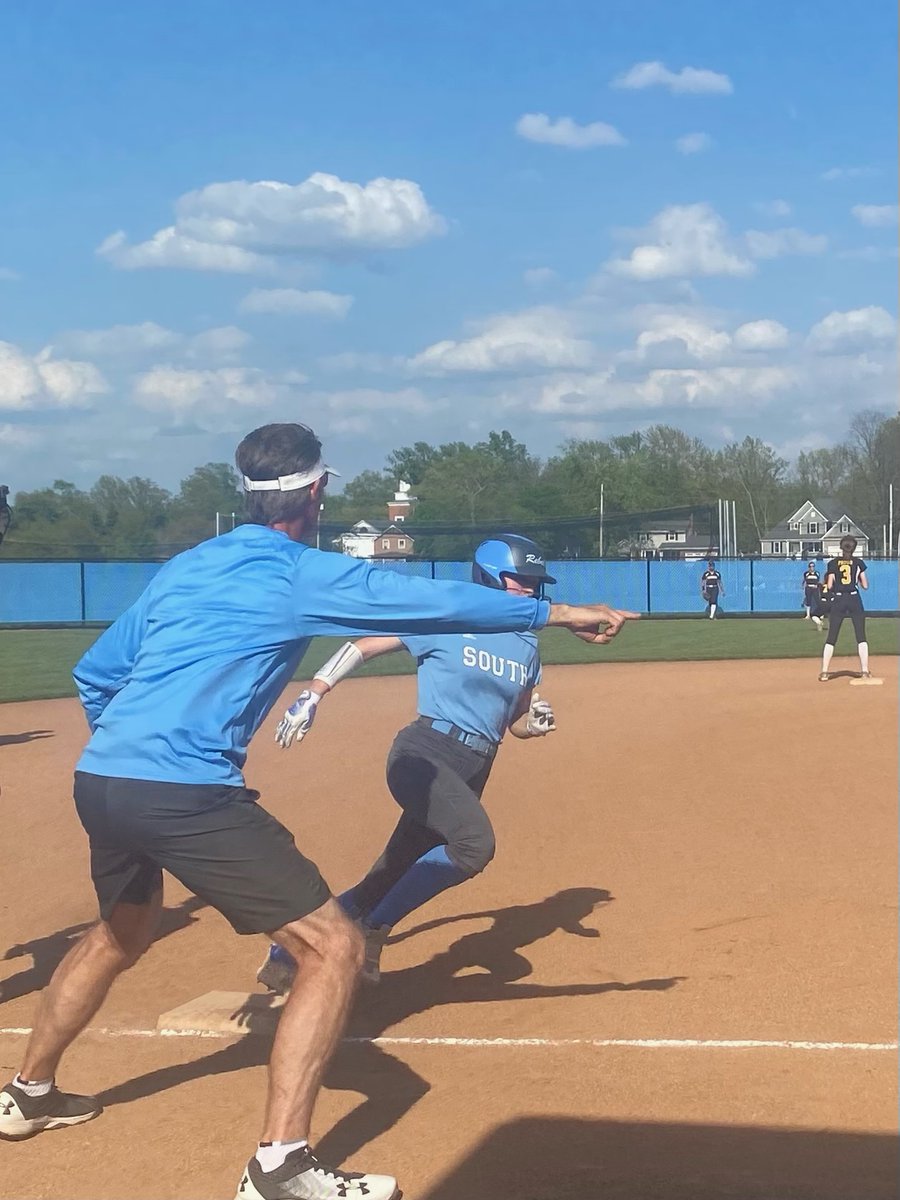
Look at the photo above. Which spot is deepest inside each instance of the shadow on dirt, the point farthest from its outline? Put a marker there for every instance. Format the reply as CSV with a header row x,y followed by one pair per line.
x,y
47,953
30,735
558,1158
390,1086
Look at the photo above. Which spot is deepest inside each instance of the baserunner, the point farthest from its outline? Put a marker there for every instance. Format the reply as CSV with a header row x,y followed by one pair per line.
x,y
472,690
173,692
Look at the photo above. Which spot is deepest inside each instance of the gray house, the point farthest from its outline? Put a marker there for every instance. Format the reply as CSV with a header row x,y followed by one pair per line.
x,y
816,528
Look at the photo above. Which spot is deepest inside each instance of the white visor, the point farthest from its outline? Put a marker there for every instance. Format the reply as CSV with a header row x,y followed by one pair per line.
x,y
290,483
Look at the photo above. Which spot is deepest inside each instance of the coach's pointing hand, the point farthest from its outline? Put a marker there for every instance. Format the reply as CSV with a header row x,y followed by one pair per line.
x,y
586,620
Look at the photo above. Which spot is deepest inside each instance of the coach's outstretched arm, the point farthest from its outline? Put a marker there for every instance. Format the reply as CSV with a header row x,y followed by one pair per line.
x,y
594,623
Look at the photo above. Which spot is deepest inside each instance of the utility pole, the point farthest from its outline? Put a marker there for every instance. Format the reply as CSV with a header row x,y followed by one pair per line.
x,y
891,518
601,519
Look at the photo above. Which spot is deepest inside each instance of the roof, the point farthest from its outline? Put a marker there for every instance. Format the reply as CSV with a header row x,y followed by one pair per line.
x,y
783,532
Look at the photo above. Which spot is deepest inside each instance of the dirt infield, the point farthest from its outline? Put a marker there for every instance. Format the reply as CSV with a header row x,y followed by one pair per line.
x,y
676,980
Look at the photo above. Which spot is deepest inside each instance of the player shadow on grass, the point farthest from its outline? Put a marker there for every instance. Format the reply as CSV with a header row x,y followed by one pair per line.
x,y
29,735
390,1086
48,952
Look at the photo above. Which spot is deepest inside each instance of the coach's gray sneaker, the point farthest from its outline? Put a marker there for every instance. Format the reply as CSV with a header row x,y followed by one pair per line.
x,y
277,973
375,939
303,1177
22,1116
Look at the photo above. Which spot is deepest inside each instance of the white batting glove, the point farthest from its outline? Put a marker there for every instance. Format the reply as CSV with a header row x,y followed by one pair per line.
x,y
297,720
541,720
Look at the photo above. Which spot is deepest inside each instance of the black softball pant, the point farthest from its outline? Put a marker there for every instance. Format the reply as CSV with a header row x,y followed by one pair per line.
x,y
438,783
846,606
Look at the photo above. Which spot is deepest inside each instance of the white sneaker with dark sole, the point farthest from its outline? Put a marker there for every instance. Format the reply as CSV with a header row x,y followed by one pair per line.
x,y
303,1177
22,1116
824,677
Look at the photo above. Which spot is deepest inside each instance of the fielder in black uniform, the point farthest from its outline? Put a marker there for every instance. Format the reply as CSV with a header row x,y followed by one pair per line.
x,y
844,577
711,588
811,591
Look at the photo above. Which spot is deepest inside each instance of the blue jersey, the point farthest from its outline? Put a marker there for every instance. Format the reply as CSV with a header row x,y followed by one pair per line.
x,y
176,688
475,681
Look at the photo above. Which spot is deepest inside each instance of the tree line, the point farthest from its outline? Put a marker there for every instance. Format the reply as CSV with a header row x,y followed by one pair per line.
x,y
462,486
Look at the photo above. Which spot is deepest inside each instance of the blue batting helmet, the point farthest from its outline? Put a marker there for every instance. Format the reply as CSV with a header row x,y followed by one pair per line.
x,y
510,554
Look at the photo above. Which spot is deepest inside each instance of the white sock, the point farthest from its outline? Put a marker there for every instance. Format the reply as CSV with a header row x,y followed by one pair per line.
x,y
863,656
34,1087
826,655
807,612
712,611
271,1155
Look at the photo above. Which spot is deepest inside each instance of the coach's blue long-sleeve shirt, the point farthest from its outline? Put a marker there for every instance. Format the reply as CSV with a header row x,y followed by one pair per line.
x,y
176,688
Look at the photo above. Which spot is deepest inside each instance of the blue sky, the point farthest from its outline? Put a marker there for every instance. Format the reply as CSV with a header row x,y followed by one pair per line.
x,y
591,216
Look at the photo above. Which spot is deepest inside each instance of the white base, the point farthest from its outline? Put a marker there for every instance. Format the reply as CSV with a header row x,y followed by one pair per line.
x,y
866,682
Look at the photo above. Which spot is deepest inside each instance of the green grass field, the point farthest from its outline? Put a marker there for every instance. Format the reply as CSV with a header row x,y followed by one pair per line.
x,y
36,664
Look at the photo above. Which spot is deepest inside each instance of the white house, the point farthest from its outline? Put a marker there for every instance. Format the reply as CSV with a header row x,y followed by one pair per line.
x,y
365,540
358,541
816,528
672,538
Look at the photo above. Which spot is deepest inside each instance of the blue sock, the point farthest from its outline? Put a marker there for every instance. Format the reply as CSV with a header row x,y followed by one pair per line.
x,y
347,901
433,873
279,954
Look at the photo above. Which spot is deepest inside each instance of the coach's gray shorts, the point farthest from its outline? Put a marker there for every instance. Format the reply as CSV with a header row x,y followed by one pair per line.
x,y
214,839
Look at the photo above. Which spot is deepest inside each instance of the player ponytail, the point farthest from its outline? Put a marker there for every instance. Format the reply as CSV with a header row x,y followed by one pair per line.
x,y
848,546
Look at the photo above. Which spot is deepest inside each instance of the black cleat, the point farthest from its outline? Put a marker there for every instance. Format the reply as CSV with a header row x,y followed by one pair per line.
x,y
22,1116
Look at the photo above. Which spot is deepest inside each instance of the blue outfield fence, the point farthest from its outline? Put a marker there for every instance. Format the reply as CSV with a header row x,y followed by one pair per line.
x,y
65,593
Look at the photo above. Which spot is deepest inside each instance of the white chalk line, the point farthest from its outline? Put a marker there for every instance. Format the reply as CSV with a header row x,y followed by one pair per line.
x,y
522,1043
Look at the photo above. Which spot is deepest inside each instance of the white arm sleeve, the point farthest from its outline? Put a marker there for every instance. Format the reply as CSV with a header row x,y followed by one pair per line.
x,y
347,659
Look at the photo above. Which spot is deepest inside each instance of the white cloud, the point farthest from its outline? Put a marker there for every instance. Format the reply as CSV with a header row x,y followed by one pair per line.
x,y
715,389
538,127
776,243
875,216
247,227
835,173
693,143
698,340
773,208
18,437
43,382
539,276
148,338
169,248
222,343
688,80
761,335
855,329
539,339
359,400
684,240
297,303
226,391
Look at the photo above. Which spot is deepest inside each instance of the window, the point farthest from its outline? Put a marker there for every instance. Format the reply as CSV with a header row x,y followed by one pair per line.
x,y
845,526
794,525
812,527
776,547
385,543
401,543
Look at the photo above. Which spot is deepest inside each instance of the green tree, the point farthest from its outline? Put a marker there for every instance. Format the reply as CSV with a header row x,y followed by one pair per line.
x,y
752,473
